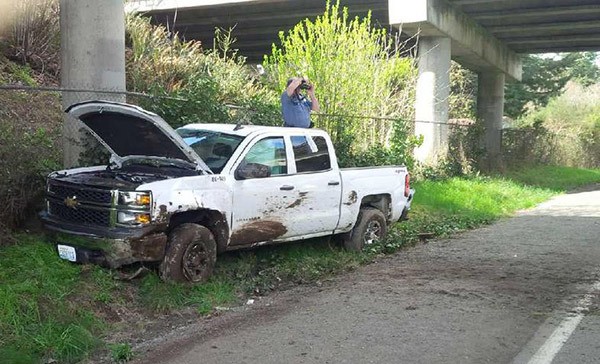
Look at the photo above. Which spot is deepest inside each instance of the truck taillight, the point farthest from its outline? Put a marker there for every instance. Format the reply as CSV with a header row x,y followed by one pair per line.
x,y
407,185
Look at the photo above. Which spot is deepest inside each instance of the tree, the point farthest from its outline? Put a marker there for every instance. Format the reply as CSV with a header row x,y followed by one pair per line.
x,y
545,78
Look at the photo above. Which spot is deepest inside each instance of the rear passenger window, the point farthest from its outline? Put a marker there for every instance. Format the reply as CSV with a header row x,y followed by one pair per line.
x,y
311,154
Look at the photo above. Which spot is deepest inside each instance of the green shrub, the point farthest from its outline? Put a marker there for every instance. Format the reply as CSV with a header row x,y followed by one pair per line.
x,y
568,128
528,146
357,70
398,152
121,353
191,84
21,74
463,93
27,156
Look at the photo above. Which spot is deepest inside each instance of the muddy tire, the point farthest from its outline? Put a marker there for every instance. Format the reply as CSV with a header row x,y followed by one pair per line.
x,y
191,255
370,227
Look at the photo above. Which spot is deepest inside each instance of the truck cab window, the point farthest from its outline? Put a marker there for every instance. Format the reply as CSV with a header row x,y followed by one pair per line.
x,y
269,152
213,147
311,154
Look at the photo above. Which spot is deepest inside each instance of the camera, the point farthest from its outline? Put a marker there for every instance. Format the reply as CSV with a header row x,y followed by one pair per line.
x,y
305,85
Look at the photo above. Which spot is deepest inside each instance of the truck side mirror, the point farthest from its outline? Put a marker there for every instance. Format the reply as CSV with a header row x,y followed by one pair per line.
x,y
252,170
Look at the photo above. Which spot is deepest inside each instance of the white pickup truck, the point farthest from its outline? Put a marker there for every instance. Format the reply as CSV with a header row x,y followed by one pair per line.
x,y
179,197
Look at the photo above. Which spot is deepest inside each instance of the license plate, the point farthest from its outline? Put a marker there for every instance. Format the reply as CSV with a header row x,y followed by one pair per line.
x,y
67,252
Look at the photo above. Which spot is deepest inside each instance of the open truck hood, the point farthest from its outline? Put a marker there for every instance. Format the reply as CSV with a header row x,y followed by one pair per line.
x,y
128,131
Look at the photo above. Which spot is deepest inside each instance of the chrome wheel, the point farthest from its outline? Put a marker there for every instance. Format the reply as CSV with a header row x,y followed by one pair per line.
x,y
373,232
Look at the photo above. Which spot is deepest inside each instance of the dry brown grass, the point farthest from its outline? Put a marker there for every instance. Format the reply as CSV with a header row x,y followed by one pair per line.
x,y
30,31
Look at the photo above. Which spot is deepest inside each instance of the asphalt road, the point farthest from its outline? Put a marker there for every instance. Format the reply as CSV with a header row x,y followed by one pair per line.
x,y
523,290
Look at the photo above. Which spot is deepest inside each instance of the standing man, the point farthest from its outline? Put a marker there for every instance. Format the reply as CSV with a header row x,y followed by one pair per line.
x,y
296,107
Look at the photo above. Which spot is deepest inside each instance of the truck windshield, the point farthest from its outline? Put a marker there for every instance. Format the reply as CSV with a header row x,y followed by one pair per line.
x,y
215,148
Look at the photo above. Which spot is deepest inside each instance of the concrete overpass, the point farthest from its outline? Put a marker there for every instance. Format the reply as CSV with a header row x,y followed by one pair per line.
x,y
483,35
525,26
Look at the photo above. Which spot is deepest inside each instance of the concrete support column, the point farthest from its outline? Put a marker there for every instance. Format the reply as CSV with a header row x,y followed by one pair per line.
x,y
92,58
433,89
490,110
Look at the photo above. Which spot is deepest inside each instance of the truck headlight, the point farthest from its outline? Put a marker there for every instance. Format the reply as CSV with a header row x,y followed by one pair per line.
x,y
135,198
132,218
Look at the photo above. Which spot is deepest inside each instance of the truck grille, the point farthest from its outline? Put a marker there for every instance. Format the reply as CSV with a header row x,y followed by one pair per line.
x,y
62,191
79,204
79,214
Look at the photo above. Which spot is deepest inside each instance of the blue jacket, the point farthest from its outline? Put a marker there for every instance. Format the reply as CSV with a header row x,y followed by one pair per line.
x,y
295,110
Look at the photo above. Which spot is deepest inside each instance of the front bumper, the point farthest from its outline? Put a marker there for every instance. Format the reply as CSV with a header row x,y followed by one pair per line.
x,y
109,247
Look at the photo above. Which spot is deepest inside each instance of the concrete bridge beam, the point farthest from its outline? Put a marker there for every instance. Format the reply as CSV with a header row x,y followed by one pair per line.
x,y
433,90
471,45
490,110
92,58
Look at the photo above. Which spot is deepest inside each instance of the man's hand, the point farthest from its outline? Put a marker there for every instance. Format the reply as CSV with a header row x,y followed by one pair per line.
x,y
311,95
291,88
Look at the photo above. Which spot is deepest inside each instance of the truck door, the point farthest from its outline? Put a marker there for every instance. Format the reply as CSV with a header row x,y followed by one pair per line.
x,y
318,183
263,194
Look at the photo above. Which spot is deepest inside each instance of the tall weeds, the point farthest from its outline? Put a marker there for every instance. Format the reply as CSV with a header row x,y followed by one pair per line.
x,y
27,156
571,123
198,83
31,28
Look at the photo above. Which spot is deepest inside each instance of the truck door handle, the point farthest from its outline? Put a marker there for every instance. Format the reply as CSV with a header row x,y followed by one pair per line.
x,y
286,188
333,183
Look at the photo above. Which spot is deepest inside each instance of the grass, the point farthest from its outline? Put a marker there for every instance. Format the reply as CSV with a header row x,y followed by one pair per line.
x,y
37,318
558,179
163,297
121,353
54,310
479,198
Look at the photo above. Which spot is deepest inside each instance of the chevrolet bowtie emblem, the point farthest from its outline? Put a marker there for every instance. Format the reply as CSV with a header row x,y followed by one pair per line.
x,y
71,202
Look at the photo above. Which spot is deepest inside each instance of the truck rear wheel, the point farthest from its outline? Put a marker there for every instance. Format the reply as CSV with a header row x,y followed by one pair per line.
x,y
191,254
370,227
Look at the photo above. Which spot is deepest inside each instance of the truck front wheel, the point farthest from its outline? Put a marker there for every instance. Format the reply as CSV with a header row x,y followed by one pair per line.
x,y
370,227
191,254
